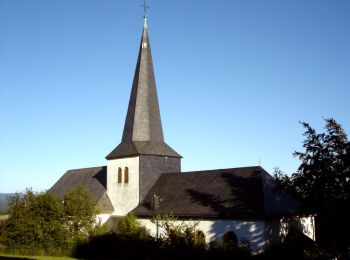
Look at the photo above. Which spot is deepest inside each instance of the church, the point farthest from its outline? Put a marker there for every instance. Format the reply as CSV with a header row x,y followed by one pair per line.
x,y
143,176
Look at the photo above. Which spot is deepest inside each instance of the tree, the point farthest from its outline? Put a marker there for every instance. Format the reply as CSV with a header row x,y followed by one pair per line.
x,y
35,218
46,220
80,214
129,226
322,181
48,216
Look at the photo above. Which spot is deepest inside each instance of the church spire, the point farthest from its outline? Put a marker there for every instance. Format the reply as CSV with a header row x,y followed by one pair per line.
x,y
143,133
145,7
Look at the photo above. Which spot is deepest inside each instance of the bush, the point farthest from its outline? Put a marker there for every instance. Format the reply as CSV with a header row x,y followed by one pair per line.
x,y
180,240
130,227
117,246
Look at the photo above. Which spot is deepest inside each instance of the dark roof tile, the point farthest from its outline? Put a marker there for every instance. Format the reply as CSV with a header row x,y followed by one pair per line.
x,y
143,133
247,192
93,179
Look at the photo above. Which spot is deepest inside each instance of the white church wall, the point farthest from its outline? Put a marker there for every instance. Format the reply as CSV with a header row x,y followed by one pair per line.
x,y
259,233
303,224
308,224
102,218
277,230
124,196
214,230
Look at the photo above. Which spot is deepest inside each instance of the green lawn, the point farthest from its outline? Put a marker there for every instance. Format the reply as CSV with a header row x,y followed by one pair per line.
x,y
4,256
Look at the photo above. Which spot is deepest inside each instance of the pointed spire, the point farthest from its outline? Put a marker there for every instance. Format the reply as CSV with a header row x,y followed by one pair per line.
x,y
145,22
143,133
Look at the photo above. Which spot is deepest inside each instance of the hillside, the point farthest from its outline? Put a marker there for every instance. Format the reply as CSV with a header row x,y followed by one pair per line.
x,y
3,201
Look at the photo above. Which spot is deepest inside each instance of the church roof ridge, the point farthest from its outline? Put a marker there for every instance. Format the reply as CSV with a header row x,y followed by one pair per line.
x,y
87,168
219,170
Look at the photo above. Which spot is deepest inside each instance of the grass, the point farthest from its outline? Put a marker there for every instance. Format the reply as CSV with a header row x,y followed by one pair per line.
x,y
37,257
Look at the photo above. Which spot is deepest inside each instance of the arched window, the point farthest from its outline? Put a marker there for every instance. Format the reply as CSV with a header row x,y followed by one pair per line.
x,y
126,175
230,240
119,175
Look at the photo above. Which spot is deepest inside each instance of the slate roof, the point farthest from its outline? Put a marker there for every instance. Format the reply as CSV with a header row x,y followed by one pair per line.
x,y
236,193
93,179
143,133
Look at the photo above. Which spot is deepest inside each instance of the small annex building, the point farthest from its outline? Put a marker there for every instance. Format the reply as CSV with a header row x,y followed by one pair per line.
x,y
143,176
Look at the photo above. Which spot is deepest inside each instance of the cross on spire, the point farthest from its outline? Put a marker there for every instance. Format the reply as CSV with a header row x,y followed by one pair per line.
x,y
145,7
143,132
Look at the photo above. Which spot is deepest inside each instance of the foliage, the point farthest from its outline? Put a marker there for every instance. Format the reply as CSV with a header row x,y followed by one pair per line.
x,y
99,229
42,222
179,233
130,226
80,213
4,202
295,246
324,173
2,225
37,257
117,246
34,218
322,181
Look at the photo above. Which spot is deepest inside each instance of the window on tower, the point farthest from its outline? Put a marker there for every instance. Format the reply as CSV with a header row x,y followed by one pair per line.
x,y
119,175
126,175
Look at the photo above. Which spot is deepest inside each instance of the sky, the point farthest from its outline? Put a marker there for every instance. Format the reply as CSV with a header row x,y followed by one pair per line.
x,y
234,78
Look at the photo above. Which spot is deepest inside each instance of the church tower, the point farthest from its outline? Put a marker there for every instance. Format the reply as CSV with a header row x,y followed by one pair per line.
x,y
142,156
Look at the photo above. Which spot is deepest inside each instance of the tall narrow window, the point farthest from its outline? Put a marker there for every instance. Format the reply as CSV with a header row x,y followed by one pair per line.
x,y
119,175
126,175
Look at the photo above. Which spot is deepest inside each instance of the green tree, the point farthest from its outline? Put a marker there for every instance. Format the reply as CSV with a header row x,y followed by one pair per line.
x,y
43,219
322,181
129,226
19,226
48,216
80,214
34,218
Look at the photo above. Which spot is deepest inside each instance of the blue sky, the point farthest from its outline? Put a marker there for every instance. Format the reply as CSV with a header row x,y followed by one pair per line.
x,y
233,78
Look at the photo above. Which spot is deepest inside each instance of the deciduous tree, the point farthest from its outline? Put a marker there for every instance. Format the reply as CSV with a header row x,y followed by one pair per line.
x,y
80,213
45,219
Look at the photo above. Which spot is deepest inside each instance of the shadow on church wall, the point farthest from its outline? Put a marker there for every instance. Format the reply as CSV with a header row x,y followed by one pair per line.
x,y
241,211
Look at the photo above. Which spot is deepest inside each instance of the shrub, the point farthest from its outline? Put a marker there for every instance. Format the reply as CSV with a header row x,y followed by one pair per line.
x,y
129,226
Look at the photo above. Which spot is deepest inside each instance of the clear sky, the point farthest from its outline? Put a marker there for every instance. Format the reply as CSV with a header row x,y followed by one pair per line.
x,y
234,77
